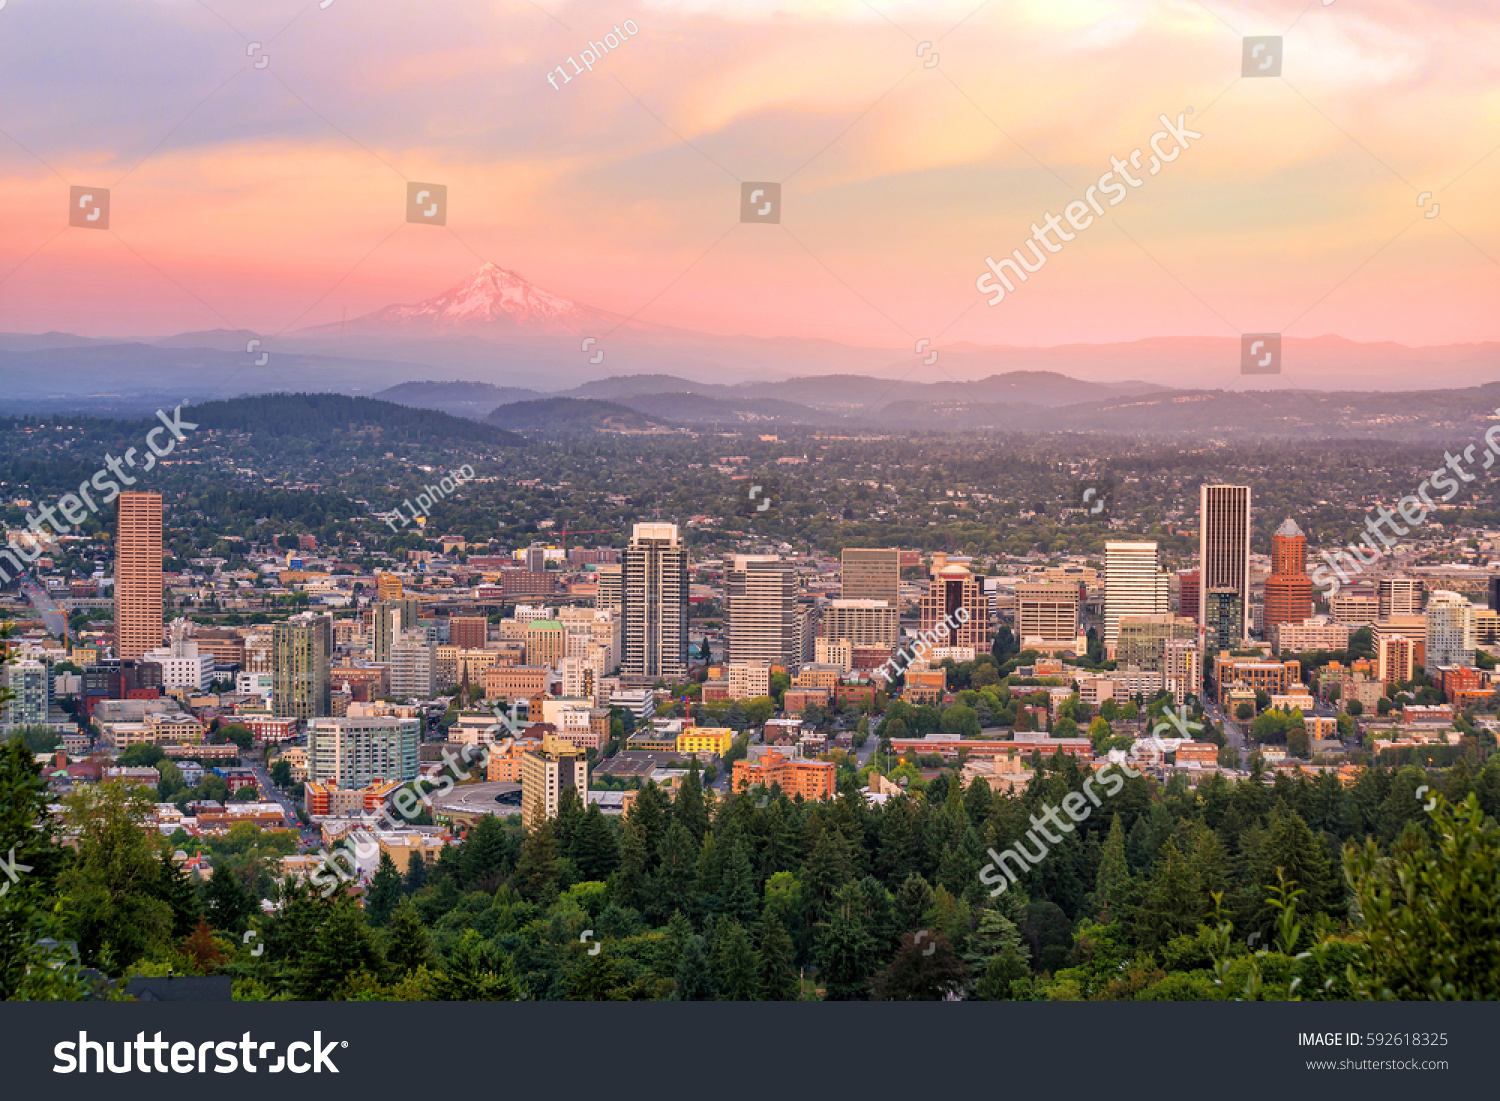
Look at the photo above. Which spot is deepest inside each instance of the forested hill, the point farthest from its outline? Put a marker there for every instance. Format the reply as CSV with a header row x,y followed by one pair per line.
x,y
318,415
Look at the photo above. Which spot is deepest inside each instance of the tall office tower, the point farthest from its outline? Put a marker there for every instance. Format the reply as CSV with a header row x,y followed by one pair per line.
x,y
1450,631
549,771
608,597
535,559
389,619
760,611
1047,616
388,587
468,632
1224,542
138,586
1223,629
871,575
300,652
1190,595
954,587
865,623
413,665
1134,584
1288,589
354,753
654,599
1398,596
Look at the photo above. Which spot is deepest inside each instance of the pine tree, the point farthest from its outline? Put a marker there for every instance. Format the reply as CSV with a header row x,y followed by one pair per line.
x,y
596,979
342,948
594,851
1113,886
385,891
416,874
229,903
829,867
734,963
181,894
847,954
741,893
536,871
913,901
407,943
1001,971
570,811
777,964
485,853
695,981
632,880
477,972
688,807
673,886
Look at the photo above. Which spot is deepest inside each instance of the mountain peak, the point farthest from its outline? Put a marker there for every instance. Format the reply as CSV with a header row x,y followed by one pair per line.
x,y
492,296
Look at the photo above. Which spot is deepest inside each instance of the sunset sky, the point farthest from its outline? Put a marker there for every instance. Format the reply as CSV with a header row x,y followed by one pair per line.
x,y
272,198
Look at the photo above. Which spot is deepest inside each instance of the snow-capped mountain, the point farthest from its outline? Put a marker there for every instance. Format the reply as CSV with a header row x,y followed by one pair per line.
x,y
492,298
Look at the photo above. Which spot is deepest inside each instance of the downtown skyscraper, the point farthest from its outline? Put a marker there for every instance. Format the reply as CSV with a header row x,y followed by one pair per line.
x,y
654,599
138,580
1224,544
760,598
1134,585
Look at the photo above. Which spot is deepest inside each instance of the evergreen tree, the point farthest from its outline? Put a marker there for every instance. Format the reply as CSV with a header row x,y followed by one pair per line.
x,y
673,886
416,874
570,811
180,893
695,981
913,902
407,943
341,949
477,972
385,891
847,954
1113,887
829,867
596,979
734,963
485,853
741,894
229,903
777,964
594,851
536,875
688,807
999,974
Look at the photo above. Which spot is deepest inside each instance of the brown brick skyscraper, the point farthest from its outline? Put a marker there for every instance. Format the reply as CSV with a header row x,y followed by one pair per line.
x,y
1288,589
138,587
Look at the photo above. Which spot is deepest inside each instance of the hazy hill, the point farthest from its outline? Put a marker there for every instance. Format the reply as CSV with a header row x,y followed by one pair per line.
x,y
568,415
316,416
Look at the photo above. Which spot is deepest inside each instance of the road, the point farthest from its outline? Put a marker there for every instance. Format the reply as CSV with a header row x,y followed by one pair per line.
x,y
271,791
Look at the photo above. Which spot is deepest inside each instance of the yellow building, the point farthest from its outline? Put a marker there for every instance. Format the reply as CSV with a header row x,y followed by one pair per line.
x,y
546,773
388,587
708,740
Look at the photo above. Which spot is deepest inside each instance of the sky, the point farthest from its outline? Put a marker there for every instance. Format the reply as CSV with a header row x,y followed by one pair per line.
x,y
257,155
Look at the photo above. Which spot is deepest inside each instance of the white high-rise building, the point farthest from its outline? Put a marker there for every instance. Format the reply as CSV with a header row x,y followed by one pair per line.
x,y
1134,585
413,665
654,598
1450,630
1224,544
